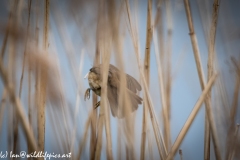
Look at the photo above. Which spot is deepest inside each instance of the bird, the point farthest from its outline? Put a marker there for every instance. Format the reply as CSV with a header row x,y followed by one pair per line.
x,y
113,89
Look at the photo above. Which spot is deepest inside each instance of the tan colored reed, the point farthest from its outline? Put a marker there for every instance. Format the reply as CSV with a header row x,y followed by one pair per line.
x,y
190,119
202,79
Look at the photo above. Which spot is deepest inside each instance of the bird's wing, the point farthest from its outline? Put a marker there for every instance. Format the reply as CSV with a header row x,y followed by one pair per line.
x,y
133,84
113,95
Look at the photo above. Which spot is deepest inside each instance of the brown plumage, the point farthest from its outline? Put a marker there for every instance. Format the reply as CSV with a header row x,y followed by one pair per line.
x,y
113,89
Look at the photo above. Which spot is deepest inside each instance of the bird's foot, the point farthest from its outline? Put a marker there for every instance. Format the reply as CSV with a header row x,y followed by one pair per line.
x,y
97,105
87,94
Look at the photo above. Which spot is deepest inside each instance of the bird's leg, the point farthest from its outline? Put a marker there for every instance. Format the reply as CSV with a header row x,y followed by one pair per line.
x,y
87,94
97,105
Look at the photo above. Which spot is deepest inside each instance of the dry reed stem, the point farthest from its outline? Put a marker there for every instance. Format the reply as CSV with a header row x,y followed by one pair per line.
x,y
202,79
152,112
100,124
123,99
190,119
168,72
99,134
19,109
25,49
231,155
233,111
161,81
2,107
147,75
29,85
180,153
211,58
76,110
104,102
119,141
84,139
43,86
160,31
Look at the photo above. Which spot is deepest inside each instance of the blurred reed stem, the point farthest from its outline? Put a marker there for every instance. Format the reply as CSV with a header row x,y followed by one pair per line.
x,y
76,110
2,108
83,141
190,119
19,109
167,74
211,60
155,125
233,110
99,117
202,79
231,137
104,105
234,148
43,85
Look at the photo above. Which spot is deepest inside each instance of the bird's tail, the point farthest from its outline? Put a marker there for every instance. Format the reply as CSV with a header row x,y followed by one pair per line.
x,y
131,104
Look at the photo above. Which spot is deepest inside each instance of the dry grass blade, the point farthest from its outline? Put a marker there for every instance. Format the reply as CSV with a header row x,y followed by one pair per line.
x,y
73,135
104,104
99,134
236,92
155,125
2,107
43,86
24,56
190,119
202,79
167,74
231,138
19,109
147,75
181,154
84,139
211,57
234,148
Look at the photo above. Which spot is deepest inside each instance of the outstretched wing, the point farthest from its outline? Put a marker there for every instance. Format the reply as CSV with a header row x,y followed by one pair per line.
x,y
132,83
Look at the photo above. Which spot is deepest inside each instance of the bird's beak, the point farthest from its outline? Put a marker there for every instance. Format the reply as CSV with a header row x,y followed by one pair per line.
x,y
86,76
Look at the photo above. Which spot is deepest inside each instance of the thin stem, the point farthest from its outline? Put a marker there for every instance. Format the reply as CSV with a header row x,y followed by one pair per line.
x,y
190,119
147,75
43,86
202,79
211,57
19,109
155,125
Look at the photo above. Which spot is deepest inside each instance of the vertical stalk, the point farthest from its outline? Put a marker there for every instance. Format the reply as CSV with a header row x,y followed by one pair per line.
x,y
167,136
157,133
233,111
84,139
98,141
211,57
190,119
202,79
43,86
19,109
147,75
2,107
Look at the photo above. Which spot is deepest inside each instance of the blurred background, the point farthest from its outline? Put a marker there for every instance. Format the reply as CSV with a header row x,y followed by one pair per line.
x,y
47,47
